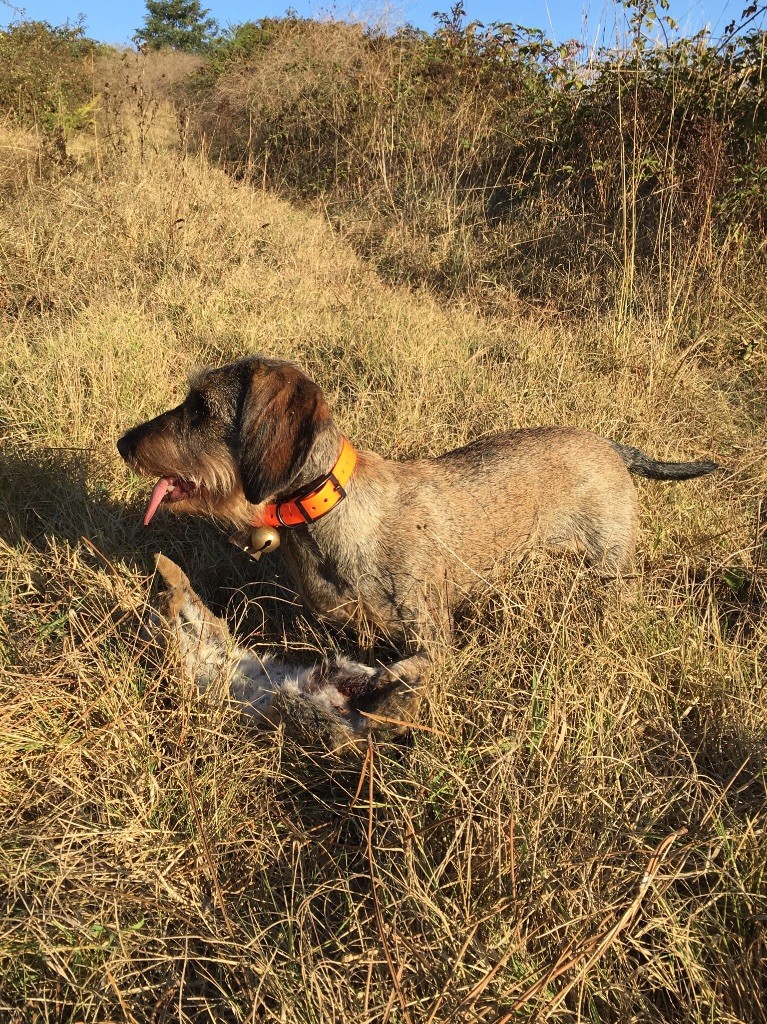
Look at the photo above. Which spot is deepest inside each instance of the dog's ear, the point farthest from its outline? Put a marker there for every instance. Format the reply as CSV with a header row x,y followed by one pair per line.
x,y
282,414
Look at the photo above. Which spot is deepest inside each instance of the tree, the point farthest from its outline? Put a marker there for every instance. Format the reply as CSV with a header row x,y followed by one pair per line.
x,y
180,24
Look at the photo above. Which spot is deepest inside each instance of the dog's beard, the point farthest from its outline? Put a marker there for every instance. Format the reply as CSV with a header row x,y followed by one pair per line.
x,y
211,481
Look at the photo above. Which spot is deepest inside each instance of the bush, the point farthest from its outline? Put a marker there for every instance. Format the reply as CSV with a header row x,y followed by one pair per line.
x,y
478,157
46,79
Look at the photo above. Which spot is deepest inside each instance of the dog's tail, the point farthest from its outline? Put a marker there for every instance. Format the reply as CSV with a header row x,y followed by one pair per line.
x,y
642,465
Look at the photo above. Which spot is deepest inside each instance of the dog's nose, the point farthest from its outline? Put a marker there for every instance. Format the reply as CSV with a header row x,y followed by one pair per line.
x,y
123,446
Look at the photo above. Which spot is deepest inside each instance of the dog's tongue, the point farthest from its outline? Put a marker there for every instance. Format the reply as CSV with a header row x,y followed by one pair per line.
x,y
160,489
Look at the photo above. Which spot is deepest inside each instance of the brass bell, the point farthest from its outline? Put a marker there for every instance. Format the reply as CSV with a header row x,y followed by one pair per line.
x,y
263,540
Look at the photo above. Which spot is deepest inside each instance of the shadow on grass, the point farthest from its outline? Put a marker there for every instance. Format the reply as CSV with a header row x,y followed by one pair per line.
x,y
50,497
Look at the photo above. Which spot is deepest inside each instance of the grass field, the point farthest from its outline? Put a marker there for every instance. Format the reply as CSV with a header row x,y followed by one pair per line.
x,y
575,831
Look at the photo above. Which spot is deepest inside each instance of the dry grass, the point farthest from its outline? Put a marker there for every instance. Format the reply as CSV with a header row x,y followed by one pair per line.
x,y
484,161
19,157
578,831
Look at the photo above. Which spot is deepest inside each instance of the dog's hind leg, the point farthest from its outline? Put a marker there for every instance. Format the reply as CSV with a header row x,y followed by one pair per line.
x,y
605,528
610,549
395,695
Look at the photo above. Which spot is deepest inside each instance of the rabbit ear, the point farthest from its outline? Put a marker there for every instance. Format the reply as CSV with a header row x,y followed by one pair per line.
x,y
170,572
282,415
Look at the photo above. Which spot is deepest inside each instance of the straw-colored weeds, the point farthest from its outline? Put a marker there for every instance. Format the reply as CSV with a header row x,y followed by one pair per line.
x,y
577,833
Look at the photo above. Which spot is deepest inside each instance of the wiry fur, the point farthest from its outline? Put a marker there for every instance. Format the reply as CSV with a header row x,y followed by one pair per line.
x,y
412,539
331,704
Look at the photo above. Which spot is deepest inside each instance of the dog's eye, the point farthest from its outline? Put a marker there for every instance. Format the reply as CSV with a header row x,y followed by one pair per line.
x,y
196,409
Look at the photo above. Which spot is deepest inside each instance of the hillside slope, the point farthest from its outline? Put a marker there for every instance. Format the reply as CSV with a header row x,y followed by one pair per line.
x,y
577,829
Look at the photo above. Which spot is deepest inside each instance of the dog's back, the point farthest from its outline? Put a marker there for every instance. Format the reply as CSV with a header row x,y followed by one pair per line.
x,y
557,487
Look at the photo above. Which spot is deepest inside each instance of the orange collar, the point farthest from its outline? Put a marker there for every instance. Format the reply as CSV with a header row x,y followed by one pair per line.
x,y
315,501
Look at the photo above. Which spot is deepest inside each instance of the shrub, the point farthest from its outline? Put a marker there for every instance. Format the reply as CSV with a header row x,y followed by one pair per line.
x,y
46,79
477,157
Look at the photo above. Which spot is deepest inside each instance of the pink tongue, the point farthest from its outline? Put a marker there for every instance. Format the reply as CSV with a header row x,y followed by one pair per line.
x,y
160,489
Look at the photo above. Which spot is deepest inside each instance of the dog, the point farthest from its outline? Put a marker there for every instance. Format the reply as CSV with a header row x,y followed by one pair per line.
x,y
333,704
394,546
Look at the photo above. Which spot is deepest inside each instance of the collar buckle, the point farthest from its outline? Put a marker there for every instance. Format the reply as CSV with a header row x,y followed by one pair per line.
x,y
297,501
333,479
326,492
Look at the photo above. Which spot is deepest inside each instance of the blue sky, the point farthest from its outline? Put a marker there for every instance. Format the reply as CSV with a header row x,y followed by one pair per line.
x,y
563,19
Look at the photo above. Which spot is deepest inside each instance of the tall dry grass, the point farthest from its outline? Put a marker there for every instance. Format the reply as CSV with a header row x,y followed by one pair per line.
x,y
576,830
488,162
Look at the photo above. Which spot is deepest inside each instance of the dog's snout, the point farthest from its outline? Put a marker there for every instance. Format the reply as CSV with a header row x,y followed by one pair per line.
x,y
123,446
128,444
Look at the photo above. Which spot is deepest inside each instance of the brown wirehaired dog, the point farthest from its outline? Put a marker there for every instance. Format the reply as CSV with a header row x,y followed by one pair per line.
x,y
410,540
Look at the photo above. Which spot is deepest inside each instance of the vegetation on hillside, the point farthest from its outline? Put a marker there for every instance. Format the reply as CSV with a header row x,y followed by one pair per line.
x,y
46,77
487,159
489,162
576,829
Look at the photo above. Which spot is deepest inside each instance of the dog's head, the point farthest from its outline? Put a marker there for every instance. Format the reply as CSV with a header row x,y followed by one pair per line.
x,y
243,434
